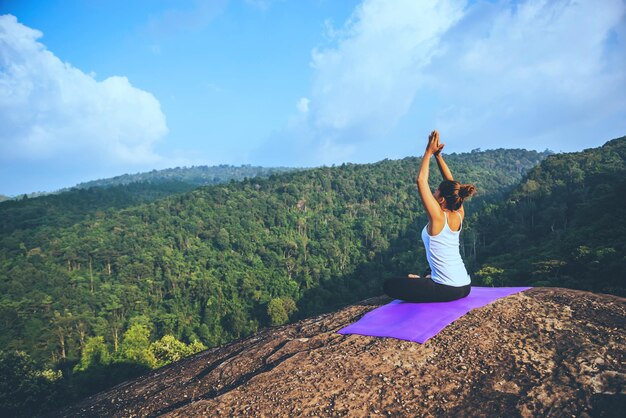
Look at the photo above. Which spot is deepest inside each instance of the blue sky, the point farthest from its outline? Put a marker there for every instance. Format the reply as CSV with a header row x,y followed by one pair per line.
x,y
93,89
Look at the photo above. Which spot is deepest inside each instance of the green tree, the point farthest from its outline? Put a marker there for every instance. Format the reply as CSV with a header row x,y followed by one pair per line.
x,y
168,349
279,310
276,311
135,347
95,353
490,275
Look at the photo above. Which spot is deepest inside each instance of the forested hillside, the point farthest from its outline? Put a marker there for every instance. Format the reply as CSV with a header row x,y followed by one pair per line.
x,y
72,206
562,226
198,175
96,292
69,206
207,264
149,185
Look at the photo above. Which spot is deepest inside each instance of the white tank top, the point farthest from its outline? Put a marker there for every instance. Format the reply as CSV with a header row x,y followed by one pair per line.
x,y
444,257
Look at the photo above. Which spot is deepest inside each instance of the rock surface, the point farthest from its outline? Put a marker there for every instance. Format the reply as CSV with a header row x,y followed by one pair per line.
x,y
543,352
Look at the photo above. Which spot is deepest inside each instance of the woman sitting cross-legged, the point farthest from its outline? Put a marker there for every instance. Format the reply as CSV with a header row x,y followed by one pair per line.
x,y
448,279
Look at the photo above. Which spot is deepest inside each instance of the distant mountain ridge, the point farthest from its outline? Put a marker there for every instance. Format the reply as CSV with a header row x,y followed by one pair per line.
x,y
199,175
67,206
194,175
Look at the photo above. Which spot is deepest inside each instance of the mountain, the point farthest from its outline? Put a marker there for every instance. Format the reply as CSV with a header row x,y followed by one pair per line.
x,y
99,297
197,175
68,206
64,209
219,262
561,226
542,352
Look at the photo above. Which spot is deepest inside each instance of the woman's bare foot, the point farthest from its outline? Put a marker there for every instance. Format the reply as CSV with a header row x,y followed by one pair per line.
x,y
413,276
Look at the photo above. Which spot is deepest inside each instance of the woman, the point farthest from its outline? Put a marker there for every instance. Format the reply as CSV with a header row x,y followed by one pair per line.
x,y
448,279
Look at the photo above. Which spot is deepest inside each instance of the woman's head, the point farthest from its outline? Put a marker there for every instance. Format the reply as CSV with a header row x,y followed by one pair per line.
x,y
451,194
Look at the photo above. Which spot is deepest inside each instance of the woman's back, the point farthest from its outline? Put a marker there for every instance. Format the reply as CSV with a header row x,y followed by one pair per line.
x,y
444,257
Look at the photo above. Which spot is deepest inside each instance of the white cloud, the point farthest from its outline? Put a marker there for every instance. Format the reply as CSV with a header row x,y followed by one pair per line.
x,y
50,110
534,74
365,82
303,105
368,80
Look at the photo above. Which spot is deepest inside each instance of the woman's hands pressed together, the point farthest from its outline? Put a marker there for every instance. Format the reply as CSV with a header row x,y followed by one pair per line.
x,y
434,147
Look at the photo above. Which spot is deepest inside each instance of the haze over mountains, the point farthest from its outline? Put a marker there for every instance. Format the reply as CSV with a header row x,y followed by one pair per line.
x,y
117,269
192,176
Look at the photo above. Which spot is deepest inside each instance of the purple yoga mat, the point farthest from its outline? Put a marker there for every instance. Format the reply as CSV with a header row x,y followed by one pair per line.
x,y
420,321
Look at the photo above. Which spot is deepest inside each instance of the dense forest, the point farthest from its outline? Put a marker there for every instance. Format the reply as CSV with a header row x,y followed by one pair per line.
x,y
84,293
69,206
72,206
562,226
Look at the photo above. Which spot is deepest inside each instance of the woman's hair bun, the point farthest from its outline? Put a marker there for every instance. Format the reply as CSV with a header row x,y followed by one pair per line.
x,y
466,190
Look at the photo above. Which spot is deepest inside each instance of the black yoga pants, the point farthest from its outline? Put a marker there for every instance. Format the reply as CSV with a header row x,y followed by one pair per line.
x,y
423,290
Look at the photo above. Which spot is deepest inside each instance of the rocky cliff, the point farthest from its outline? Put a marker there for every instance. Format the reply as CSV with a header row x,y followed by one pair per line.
x,y
543,352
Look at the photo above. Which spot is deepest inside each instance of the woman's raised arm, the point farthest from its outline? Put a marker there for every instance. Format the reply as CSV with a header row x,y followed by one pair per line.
x,y
433,210
443,167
